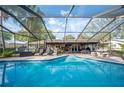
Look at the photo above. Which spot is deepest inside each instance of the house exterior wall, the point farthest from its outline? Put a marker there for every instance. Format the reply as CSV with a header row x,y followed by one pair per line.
x,y
115,44
73,47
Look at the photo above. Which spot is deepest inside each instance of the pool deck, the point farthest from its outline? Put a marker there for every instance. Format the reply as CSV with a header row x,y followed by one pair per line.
x,y
110,59
113,59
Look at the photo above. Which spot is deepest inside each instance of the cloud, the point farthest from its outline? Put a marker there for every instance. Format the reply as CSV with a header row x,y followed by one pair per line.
x,y
76,24
52,21
13,27
56,30
63,13
58,25
55,24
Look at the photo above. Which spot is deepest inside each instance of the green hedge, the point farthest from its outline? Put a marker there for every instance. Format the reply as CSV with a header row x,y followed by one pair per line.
x,y
60,51
7,53
117,52
1,53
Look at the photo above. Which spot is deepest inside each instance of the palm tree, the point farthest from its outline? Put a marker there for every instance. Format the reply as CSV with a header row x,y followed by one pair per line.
x,y
5,17
34,24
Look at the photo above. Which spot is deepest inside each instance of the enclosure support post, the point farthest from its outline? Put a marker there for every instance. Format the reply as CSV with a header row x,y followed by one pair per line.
x,y
15,42
2,34
15,73
28,42
3,75
110,44
103,45
38,44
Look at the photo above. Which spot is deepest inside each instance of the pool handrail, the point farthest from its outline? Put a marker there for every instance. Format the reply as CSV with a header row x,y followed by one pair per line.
x,y
3,75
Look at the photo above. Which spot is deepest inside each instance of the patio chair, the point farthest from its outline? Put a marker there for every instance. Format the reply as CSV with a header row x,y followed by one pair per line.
x,y
103,54
122,56
99,53
94,54
50,52
41,51
26,53
47,52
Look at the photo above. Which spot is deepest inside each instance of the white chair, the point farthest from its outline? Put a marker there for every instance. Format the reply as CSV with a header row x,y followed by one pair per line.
x,y
94,54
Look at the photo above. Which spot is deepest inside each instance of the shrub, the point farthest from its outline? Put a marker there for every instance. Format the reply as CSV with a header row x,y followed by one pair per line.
x,y
33,51
60,51
103,46
117,52
1,53
122,47
7,53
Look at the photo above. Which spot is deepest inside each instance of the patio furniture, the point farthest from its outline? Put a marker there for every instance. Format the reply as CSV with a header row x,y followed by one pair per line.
x,y
44,54
122,56
23,54
103,54
94,54
41,51
84,51
99,54
54,51
48,51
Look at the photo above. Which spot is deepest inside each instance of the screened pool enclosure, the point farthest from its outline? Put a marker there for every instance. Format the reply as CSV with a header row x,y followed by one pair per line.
x,y
36,26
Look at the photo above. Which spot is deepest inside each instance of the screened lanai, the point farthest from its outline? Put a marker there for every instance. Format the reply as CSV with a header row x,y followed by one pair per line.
x,y
62,23
61,45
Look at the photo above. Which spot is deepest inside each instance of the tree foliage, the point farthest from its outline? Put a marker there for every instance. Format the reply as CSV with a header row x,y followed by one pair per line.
x,y
42,34
122,47
84,36
34,24
68,37
7,36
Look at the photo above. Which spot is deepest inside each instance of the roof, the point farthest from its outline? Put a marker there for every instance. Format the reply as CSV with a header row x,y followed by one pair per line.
x,y
69,41
120,40
12,42
116,41
79,10
75,20
36,42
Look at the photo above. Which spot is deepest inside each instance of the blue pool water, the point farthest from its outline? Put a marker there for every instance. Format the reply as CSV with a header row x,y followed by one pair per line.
x,y
70,71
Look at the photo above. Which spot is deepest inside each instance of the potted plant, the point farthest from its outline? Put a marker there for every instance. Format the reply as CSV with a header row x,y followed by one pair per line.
x,y
60,52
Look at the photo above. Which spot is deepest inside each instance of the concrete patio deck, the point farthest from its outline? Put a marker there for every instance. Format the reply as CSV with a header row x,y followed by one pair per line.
x,y
109,59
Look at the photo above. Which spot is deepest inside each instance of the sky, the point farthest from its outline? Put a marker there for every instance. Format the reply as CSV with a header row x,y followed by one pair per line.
x,y
58,24
10,24
73,25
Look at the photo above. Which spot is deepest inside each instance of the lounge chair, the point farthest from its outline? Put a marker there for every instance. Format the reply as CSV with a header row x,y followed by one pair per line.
x,y
47,51
84,51
103,54
94,54
50,52
122,56
22,54
41,51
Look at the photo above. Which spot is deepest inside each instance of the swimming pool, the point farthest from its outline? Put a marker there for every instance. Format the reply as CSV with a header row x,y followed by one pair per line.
x,y
69,71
